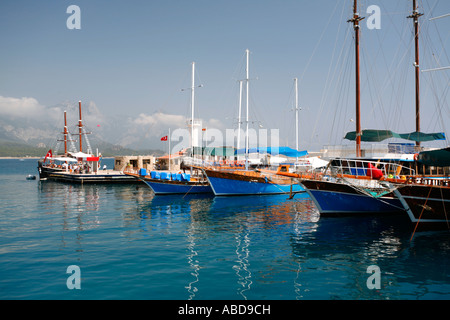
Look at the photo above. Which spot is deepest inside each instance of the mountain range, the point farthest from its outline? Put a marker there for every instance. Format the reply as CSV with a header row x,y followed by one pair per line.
x,y
28,127
21,137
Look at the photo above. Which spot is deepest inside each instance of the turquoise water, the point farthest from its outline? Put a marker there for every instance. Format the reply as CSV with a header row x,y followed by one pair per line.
x,y
129,244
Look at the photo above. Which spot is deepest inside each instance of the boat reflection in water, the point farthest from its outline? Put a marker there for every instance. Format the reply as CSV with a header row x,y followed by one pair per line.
x,y
206,247
232,235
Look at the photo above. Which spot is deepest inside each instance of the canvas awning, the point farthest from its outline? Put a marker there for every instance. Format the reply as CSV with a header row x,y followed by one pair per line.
x,y
439,158
84,156
380,135
62,159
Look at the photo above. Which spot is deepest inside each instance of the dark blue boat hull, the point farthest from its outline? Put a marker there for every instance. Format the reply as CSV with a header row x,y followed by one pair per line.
x,y
335,198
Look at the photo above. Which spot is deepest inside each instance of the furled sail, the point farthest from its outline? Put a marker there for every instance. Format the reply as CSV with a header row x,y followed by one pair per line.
x,y
380,135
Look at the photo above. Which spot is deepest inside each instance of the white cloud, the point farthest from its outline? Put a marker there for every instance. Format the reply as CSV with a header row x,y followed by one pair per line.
x,y
214,124
27,119
160,119
146,130
24,107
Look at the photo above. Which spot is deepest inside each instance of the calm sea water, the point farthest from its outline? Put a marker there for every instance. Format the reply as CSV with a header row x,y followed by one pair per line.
x,y
129,244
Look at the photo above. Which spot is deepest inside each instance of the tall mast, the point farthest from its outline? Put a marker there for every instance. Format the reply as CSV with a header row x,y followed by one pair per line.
x,y
239,115
80,127
296,114
192,88
192,107
355,20
415,16
246,104
65,133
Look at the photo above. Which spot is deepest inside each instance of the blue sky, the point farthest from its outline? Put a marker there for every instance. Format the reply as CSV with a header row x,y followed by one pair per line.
x,y
130,60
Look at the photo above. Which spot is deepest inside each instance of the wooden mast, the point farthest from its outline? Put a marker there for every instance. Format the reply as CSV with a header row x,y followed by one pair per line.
x,y
415,16
355,20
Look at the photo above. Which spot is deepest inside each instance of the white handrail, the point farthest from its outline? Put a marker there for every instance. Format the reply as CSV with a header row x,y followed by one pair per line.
x,y
368,168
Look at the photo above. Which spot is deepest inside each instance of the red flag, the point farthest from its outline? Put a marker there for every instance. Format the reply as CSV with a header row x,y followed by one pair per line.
x,y
49,154
164,138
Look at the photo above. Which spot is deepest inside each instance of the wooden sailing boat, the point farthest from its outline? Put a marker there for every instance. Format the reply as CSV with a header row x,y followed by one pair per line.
x,y
176,183
77,167
426,199
357,192
225,182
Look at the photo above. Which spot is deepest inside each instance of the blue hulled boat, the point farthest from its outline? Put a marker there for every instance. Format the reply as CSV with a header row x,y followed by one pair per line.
x,y
173,183
333,198
246,182
358,187
173,187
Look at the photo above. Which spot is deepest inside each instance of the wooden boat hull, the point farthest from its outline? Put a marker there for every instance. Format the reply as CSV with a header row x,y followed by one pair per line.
x,y
428,206
231,183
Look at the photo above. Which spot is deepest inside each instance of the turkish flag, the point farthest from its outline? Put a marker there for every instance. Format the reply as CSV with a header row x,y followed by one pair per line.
x,y
164,138
49,154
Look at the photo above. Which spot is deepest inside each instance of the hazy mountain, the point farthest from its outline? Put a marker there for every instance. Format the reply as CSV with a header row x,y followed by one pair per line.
x,y
29,128
19,138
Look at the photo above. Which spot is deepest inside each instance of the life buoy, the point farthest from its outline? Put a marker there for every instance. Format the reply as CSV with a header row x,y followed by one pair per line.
x,y
416,156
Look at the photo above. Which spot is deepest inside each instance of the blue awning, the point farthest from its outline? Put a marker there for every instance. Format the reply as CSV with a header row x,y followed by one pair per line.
x,y
288,152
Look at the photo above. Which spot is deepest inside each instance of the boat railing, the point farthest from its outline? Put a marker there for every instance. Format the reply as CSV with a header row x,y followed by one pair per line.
x,y
369,169
131,170
197,162
431,181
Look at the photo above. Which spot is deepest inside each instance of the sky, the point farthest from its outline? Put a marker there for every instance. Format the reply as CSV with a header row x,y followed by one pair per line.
x,y
130,60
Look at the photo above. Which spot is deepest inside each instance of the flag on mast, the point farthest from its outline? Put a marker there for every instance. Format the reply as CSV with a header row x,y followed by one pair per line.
x,y
49,154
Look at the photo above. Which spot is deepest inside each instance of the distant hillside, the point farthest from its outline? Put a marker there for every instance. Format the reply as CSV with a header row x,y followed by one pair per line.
x,y
21,149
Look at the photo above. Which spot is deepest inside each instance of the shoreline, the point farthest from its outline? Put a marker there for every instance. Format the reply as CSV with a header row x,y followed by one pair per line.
x,y
18,158
36,158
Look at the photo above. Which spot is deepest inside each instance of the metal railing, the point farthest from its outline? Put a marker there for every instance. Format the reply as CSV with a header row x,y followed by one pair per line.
x,y
369,169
